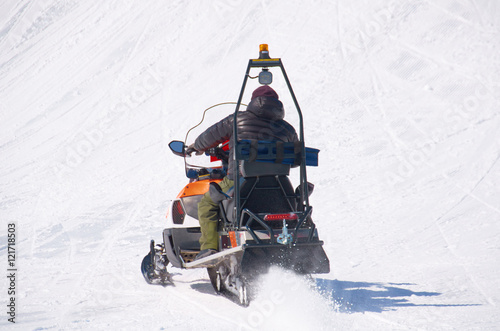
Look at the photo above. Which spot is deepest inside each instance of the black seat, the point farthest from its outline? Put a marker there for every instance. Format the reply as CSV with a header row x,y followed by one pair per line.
x,y
268,194
258,169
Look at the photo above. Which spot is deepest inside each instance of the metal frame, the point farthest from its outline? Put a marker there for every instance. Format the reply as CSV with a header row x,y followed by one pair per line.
x,y
265,63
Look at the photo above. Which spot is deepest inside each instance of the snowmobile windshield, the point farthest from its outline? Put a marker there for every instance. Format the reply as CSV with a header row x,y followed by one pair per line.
x,y
210,161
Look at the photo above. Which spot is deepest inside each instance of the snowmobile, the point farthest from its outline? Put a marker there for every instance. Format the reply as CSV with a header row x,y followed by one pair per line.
x,y
264,221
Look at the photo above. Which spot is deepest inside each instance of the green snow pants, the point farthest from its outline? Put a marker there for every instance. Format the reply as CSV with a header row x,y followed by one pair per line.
x,y
208,215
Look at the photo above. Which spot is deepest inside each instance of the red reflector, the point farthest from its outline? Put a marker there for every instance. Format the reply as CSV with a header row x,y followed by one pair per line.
x,y
279,217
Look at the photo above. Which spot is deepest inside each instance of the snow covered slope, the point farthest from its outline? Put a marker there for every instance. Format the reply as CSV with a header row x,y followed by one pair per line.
x,y
402,98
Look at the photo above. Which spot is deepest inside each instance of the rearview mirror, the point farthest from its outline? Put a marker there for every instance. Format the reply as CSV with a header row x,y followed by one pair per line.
x,y
177,147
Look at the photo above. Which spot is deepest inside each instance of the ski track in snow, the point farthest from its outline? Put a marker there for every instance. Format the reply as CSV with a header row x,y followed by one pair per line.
x,y
402,98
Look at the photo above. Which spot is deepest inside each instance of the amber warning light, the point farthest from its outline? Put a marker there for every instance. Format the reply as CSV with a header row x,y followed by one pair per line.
x,y
263,51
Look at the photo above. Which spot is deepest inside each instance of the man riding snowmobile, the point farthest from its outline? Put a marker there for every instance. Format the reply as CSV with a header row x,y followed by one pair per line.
x,y
263,120
238,232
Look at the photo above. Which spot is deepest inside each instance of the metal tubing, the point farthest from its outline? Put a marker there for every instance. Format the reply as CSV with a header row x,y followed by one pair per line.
x,y
235,142
303,174
261,222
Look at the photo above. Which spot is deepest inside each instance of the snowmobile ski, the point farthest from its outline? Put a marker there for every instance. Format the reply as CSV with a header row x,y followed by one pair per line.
x,y
154,266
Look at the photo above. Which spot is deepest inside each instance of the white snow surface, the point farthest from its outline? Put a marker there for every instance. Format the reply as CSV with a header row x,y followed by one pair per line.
x,y
401,97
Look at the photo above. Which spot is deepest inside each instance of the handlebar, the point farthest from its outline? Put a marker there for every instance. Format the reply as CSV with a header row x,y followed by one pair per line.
x,y
217,152
196,172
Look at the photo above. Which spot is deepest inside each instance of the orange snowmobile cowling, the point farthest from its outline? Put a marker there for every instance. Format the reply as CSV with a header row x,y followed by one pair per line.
x,y
196,188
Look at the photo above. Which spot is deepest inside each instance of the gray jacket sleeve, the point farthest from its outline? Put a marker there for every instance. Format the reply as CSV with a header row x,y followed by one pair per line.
x,y
216,134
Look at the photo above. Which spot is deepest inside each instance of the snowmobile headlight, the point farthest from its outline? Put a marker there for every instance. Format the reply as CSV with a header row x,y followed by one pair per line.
x,y
178,212
265,77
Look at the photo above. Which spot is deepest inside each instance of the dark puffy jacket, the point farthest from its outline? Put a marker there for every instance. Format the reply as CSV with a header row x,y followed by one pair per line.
x,y
263,120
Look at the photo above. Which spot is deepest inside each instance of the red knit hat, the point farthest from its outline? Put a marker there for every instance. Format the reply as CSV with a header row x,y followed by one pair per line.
x,y
264,91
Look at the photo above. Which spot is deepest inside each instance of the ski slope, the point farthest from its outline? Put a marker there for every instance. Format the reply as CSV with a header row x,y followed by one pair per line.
x,y
401,97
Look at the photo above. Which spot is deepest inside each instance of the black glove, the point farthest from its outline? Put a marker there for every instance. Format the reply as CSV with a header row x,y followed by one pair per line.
x,y
191,150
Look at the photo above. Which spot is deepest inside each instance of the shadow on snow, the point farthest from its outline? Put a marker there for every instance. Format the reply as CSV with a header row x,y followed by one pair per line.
x,y
354,297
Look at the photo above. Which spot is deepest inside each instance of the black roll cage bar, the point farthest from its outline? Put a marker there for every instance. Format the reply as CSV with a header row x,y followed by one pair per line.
x,y
304,194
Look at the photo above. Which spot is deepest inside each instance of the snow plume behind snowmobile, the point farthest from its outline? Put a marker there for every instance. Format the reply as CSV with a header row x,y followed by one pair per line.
x,y
264,221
